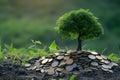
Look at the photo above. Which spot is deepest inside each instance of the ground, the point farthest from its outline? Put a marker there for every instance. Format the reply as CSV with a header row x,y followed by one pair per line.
x,y
9,71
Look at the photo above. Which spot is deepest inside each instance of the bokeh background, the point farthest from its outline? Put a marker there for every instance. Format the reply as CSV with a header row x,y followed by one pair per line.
x,y
24,20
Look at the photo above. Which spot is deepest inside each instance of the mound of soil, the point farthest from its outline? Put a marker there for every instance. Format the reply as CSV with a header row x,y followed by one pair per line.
x,y
9,71
100,68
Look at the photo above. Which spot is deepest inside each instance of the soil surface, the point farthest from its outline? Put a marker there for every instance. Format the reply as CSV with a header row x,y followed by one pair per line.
x,y
9,71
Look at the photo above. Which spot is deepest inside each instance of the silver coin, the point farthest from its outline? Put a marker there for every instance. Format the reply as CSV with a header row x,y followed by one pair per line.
x,y
74,65
55,63
114,64
91,56
94,64
42,70
34,67
27,65
60,57
57,54
69,68
60,69
106,61
104,57
106,66
95,53
105,69
50,60
87,69
37,64
51,71
94,68
30,68
42,58
44,61
111,71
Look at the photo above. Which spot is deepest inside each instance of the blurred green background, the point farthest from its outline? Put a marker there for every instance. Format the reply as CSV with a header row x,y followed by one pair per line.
x,y
24,20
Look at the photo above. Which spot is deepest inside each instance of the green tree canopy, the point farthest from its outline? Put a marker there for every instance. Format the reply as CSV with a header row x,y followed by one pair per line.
x,y
80,24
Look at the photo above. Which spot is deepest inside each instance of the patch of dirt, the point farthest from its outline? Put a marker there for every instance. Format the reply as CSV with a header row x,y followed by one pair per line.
x,y
9,71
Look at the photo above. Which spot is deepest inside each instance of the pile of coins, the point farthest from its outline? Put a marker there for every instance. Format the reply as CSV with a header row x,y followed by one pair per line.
x,y
75,62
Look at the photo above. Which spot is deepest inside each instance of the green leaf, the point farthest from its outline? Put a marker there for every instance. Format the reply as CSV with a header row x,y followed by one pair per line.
x,y
1,56
38,42
114,57
72,77
53,47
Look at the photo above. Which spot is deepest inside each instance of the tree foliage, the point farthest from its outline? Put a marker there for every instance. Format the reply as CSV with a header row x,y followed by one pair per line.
x,y
79,23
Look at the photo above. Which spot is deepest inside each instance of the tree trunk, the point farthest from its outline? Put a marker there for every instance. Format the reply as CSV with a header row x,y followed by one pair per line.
x,y
79,44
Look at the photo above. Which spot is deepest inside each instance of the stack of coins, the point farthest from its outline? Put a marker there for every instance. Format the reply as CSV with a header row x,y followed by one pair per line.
x,y
74,62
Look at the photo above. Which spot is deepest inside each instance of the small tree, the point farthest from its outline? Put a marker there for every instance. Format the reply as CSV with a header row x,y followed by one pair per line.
x,y
79,24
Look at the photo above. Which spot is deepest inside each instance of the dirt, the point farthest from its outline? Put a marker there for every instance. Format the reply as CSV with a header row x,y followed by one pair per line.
x,y
9,71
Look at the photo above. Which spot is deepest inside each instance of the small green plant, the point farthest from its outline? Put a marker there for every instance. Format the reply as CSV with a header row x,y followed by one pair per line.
x,y
113,57
79,24
73,77
53,47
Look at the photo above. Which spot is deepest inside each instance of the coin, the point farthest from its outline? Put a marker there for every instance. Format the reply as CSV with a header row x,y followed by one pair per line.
x,y
66,57
74,65
38,69
60,57
37,63
55,63
94,64
51,71
99,57
62,63
95,53
106,61
91,56
88,69
34,67
114,64
67,54
27,65
69,61
59,69
106,66
69,68
105,69
42,70
102,60
104,57
42,58
49,60
94,68
110,71
56,54
69,51
44,61
79,52
30,68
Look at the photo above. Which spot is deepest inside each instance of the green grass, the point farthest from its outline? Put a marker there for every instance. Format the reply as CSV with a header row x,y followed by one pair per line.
x,y
22,55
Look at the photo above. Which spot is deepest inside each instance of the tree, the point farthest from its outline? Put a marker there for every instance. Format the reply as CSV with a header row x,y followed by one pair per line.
x,y
79,24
